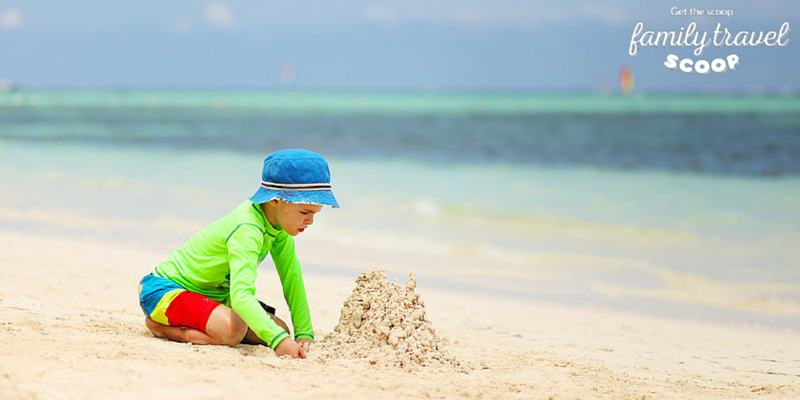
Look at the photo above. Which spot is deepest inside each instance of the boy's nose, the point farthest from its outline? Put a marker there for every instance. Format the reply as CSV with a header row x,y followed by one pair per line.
x,y
309,220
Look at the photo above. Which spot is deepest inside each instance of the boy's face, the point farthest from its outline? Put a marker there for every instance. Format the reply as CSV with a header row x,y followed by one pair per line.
x,y
294,218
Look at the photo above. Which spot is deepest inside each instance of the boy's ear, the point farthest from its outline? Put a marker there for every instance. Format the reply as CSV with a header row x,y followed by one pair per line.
x,y
274,202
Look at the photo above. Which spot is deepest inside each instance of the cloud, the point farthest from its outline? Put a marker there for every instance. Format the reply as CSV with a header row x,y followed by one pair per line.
x,y
219,15
11,19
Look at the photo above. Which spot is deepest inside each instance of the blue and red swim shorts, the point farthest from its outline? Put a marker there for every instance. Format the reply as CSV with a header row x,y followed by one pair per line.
x,y
168,303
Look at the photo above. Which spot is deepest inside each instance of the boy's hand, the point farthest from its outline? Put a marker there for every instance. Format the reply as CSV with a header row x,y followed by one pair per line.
x,y
305,343
289,347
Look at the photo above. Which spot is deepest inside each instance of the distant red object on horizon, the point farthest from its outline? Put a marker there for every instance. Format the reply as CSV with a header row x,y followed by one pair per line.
x,y
626,79
288,74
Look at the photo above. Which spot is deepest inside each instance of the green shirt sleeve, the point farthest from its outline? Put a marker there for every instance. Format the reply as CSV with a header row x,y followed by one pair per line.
x,y
243,257
294,290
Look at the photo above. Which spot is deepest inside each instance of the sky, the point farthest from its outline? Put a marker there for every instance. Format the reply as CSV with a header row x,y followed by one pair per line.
x,y
428,45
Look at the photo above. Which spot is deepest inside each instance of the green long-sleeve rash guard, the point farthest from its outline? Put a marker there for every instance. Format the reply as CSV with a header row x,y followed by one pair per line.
x,y
220,263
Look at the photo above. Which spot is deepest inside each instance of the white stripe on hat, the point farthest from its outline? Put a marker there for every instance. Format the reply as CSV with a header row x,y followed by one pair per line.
x,y
296,187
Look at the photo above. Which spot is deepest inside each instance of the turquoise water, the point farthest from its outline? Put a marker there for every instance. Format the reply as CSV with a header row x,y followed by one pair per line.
x,y
680,206
408,103
698,134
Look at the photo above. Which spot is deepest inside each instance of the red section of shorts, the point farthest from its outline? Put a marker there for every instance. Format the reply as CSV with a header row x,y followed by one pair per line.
x,y
190,309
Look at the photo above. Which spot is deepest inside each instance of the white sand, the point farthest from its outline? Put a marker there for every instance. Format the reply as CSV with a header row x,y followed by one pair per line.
x,y
71,328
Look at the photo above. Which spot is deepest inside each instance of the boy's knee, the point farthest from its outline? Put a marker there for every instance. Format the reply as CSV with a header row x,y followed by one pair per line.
x,y
227,328
236,331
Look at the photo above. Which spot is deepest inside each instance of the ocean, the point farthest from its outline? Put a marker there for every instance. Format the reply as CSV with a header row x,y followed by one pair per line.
x,y
679,206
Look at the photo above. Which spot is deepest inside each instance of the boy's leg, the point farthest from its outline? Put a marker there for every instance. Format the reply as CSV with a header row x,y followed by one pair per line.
x,y
177,333
224,327
252,338
175,313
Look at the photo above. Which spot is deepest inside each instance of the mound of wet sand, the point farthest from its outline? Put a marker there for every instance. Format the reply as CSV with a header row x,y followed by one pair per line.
x,y
385,323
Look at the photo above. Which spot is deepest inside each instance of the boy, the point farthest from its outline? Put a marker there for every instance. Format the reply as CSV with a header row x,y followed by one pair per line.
x,y
204,292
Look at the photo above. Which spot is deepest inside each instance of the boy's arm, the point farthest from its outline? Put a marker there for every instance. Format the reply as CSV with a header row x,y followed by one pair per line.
x,y
294,289
244,245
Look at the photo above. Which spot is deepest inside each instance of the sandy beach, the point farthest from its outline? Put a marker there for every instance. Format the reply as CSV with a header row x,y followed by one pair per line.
x,y
71,328
527,211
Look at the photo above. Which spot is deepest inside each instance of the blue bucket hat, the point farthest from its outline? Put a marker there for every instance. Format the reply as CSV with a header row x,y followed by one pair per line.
x,y
295,176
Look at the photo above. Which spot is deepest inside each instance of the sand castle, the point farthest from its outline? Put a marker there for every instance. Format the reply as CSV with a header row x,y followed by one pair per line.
x,y
385,323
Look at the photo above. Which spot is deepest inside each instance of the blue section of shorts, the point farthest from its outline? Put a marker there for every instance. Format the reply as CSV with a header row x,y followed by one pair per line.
x,y
152,289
